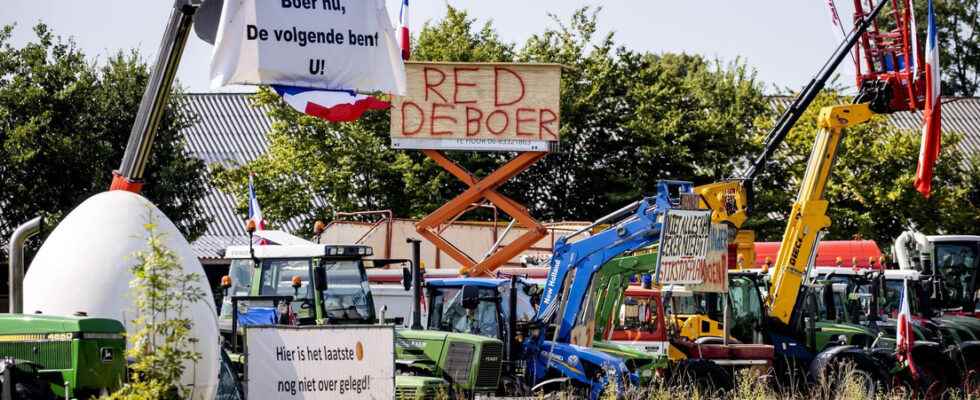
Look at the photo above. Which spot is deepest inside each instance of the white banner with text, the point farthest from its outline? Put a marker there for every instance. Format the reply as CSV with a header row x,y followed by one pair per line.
x,y
683,247
322,44
321,362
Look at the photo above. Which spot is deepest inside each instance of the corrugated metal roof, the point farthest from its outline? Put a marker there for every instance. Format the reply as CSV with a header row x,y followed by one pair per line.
x,y
960,115
231,131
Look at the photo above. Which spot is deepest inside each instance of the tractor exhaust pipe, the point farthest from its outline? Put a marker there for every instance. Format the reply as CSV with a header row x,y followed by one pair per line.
x,y
416,283
16,254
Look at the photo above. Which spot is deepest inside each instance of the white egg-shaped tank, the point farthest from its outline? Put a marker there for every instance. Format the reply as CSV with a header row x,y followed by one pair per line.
x,y
84,266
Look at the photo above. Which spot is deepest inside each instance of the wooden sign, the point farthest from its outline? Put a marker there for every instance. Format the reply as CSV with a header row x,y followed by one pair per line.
x,y
478,106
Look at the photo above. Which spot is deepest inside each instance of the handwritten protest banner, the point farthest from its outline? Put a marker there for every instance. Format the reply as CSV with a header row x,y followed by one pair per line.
x,y
478,106
683,246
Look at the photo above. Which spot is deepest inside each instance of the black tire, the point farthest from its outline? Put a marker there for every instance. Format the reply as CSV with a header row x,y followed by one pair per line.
x,y
938,373
709,378
862,371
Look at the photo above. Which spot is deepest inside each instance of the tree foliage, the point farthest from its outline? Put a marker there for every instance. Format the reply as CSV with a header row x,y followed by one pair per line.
x,y
627,119
64,124
958,26
870,192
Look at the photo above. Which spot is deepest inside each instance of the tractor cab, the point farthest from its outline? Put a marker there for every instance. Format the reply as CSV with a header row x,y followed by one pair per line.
x,y
477,306
320,283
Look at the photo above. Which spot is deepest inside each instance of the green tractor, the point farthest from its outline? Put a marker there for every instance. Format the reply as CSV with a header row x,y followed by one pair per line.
x,y
47,357
305,283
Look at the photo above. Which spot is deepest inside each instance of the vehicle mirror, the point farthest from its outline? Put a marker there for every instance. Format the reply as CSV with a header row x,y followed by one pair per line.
x,y
320,278
407,279
471,297
828,301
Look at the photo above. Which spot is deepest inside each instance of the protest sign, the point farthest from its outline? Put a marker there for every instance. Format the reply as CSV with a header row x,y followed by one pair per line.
x,y
683,246
322,44
320,362
478,106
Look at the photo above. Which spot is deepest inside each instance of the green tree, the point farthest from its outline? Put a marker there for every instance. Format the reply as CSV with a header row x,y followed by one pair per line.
x,y
161,345
958,25
627,119
64,124
871,192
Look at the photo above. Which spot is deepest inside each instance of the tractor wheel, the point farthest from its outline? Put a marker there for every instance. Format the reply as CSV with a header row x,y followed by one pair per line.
x,y
862,373
709,378
938,373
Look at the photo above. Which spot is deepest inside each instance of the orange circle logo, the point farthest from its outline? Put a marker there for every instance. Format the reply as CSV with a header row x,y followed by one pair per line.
x,y
359,351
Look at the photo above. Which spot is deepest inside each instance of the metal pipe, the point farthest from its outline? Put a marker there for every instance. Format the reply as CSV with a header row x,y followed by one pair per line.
x,y
616,214
499,240
416,283
130,174
16,254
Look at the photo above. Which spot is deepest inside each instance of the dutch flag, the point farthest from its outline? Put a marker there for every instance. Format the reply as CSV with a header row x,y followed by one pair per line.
x,y
905,337
330,105
932,125
403,36
254,211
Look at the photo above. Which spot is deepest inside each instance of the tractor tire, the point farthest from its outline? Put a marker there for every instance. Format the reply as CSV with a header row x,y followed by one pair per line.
x,y
709,378
861,371
26,383
939,375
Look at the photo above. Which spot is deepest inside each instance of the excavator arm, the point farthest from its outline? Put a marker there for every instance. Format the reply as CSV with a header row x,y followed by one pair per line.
x,y
574,265
730,201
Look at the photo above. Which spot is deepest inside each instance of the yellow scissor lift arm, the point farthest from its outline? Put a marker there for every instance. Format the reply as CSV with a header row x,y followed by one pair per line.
x,y
809,214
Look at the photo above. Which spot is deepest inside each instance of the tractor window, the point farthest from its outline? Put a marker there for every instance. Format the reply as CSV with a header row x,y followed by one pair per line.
x,y
240,273
746,308
892,303
448,315
348,294
525,308
956,263
277,277
638,313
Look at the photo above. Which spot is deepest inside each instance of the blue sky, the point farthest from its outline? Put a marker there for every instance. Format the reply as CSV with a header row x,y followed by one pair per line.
x,y
785,40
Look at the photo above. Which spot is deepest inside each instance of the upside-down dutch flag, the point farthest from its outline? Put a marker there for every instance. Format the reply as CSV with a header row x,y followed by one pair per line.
x,y
254,211
330,105
403,37
932,124
905,337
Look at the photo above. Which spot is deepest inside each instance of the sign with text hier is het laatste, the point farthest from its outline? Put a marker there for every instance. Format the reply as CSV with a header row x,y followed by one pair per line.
x,y
478,106
320,362
683,247
320,44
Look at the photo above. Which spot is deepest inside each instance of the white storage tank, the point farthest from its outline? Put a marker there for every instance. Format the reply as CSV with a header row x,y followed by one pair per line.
x,y
84,265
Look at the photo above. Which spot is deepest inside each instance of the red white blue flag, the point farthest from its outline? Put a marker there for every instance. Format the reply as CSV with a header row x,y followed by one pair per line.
x,y
254,211
404,39
905,337
330,105
932,125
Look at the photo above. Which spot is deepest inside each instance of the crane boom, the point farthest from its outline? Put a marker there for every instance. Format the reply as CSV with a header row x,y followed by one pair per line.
x,y
730,201
808,217
129,176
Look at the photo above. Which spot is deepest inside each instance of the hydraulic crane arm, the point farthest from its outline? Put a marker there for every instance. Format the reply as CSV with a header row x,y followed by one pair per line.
x,y
129,176
808,217
574,265
730,201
